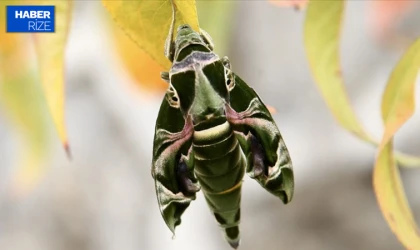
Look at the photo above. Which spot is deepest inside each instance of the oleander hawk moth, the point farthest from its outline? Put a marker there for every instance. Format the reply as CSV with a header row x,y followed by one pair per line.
x,y
211,129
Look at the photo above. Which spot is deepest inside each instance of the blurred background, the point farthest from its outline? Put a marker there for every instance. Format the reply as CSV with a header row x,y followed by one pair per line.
x,y
105,199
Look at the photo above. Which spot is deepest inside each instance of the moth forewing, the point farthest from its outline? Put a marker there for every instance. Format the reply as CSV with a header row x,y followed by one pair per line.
x,y
265,145
172,135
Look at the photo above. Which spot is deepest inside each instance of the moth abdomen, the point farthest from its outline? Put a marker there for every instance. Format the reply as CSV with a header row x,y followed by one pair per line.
x,y
219,166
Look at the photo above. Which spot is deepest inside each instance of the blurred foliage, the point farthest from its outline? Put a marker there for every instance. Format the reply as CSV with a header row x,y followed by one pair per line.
x,y
324,60
144,70
50,49
325,17
23,102
384,16
397,107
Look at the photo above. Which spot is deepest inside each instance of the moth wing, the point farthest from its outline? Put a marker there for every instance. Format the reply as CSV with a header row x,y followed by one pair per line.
x,y
268,159
171,145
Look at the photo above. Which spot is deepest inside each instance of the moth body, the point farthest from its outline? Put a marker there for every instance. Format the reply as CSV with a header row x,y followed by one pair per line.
x,y
211,129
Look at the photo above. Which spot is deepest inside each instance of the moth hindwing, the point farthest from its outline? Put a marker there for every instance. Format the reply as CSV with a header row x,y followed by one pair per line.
x,y
211,129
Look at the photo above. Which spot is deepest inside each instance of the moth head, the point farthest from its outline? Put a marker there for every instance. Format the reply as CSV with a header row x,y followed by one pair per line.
x,y
201,92
199,80
188,39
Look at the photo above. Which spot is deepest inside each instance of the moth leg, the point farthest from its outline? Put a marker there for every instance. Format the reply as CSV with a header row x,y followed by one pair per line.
x,y
172,97
258,158
169,43
164,76
187,182
226,62
229,77
207,39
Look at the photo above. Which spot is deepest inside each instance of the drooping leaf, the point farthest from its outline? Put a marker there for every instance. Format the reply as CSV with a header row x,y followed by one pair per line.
x,y
147,22
22,101
397,107
144,70
322,39
50,49
406,160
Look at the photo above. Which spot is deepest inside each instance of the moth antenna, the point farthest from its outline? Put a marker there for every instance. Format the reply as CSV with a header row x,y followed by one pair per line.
x,y
207,39
169,44
165,76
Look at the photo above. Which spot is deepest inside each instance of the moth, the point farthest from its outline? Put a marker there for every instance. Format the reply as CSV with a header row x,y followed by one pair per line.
x,y
211,129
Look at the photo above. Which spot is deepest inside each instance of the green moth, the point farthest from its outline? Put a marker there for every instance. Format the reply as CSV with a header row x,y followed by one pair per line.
x,y
211,129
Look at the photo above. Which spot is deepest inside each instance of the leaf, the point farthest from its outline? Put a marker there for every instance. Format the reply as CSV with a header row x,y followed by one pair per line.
x,y
50,49
397,107
322,37
22,100
147,22
144,70
407,161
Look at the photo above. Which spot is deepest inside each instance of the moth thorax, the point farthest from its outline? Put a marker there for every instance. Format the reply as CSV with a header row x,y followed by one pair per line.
x,y
208,104
186,36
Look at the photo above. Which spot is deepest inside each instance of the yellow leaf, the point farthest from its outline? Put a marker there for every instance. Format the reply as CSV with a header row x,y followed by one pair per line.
x,y
144,70
397,107
50,49
322,37
406,160
398,99
21,97
22,100
147,22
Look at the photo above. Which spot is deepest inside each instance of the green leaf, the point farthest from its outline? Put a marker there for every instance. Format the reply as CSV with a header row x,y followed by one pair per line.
x,y
322,37
50,49
22,100
397,107
147,22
